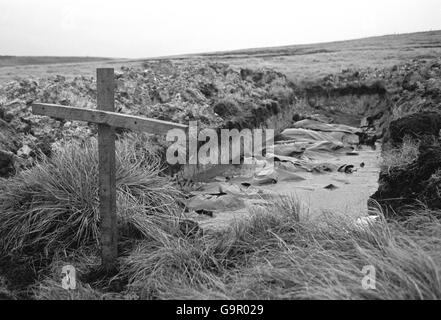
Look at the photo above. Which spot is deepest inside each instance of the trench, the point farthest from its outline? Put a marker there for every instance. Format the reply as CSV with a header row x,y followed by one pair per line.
x,y
321,164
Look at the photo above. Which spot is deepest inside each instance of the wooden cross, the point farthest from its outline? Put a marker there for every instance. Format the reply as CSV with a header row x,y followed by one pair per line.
x,y
107,120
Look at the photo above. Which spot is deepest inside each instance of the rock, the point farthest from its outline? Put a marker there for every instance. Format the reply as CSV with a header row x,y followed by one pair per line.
x,y
209,90
226,108
412,81
324,167
346,168
297,117
24,151
331,187
267,175
205,212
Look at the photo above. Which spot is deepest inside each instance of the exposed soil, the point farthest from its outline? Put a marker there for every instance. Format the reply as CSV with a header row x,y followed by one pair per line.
x,y
390,104
414,114
422,125
213,94
418,182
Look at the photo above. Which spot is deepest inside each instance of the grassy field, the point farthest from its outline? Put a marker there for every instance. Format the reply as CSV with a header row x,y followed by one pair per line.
x,y
11,61
28,67
309,62
299,62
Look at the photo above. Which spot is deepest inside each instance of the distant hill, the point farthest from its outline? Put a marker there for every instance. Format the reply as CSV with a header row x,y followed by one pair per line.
x,y
301,63
311,61
429,39
10,61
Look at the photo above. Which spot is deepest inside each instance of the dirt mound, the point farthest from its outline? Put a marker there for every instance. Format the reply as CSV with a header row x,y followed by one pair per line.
x,y
415,96
348,97
213,94
419,181
415,126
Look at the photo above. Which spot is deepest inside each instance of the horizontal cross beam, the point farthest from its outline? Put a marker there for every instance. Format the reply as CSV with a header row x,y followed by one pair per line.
x,y
113,119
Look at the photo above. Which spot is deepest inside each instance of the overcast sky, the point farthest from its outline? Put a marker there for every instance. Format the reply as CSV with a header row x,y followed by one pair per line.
x,y
145,28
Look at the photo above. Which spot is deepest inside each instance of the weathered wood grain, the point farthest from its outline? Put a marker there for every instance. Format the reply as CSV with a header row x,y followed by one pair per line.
x,y
114,119
107,121
107,172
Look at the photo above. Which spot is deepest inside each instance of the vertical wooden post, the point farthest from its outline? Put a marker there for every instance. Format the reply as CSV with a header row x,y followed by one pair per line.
x,y
107,180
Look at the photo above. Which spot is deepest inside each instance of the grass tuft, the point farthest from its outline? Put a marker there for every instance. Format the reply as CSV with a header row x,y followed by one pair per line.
x,y
402,156
54,205
273,255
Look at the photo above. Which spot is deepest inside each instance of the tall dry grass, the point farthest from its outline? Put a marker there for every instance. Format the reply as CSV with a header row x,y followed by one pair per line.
x,y
276,256
54,205
402,156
